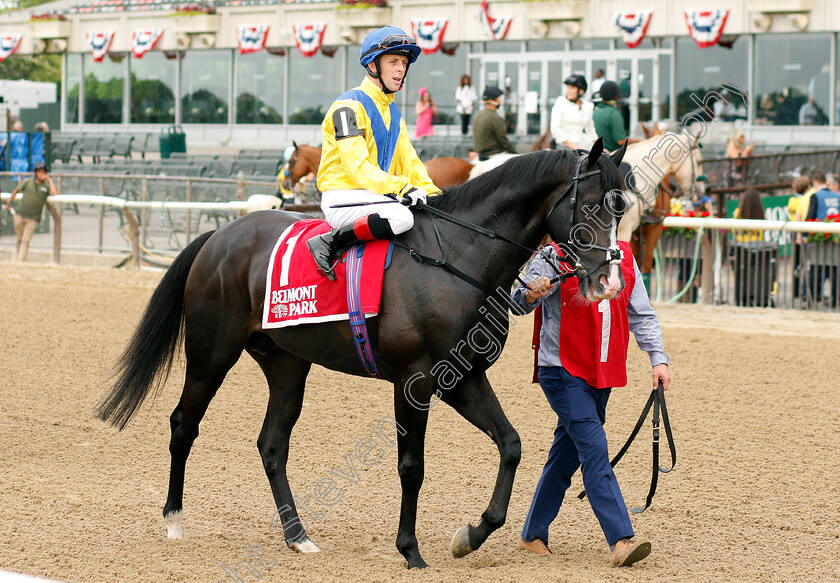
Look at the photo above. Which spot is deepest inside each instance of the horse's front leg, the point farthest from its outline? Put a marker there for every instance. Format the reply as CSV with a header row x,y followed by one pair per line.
x,y
411,401
475,400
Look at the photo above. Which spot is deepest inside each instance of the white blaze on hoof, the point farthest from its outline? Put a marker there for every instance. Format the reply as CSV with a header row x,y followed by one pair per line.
x,y
305,546
174,524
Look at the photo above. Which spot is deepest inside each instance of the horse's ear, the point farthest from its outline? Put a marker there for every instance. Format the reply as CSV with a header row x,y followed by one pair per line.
x,y
618,155
294,143
595,153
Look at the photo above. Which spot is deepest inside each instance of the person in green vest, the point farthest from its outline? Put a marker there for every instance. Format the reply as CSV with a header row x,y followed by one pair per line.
x,y
31,206
607,119
489,135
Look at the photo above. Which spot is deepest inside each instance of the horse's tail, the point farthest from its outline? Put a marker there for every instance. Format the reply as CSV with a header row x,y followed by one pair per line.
x,y
147,360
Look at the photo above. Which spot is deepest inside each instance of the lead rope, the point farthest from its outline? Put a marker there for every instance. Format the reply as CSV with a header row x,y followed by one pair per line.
x,y
657,401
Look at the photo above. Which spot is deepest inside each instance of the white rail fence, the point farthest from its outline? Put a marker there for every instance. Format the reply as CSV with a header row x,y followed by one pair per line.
x,y
714,261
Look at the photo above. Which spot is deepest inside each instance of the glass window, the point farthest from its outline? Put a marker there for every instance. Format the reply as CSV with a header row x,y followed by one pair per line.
x,y
205,86
702,71
591,44
104,83
664,86
546,45
316,83
259,81
792,79
74,84
503,47
153,88
355,71
440,74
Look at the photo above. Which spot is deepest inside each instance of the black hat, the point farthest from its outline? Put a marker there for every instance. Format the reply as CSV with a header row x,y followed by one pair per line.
x,y
492,92
39,166
576,80
608,91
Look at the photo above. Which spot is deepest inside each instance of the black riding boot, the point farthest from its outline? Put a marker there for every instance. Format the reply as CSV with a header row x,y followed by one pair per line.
x,y
325,248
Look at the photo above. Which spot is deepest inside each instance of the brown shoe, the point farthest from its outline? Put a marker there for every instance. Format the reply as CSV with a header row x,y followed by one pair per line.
x,y
535,546
628,551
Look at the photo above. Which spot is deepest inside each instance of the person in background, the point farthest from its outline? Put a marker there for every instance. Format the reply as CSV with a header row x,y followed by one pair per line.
x,y
824,201
809,115
426,110
597,81
31,206
738,153
489,135
581,355
608,122
571,116
801,185
465,99
42,127
750,207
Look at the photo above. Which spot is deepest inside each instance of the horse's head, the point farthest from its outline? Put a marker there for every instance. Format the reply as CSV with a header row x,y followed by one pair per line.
x,y
299,166
689,171
584,214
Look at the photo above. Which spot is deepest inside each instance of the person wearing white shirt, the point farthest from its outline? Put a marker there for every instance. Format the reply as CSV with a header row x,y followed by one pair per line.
x,y
571,116
465,98
599,79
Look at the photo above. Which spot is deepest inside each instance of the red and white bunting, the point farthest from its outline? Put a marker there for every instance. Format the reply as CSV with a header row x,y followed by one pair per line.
x,y
251,37
308,37
99,43
143,40
634,26
9,43
497,27
429,33
706,26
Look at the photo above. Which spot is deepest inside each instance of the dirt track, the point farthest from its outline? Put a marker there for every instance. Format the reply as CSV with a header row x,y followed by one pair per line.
x,y
754,404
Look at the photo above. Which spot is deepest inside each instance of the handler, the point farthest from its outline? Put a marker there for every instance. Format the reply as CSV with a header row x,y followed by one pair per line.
x,y
367,154
578,362
31,206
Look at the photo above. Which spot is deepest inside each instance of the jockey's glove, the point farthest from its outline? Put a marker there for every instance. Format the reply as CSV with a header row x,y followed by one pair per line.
x,y
414,196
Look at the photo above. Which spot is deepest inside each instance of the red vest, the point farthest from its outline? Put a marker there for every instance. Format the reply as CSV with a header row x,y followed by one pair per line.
x,y
593,335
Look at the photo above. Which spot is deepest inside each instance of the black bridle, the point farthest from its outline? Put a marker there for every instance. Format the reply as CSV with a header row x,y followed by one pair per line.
x,y
613,252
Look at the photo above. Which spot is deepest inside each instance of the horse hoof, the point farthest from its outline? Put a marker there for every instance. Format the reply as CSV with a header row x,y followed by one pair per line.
x,y
174,525
304,546
461,542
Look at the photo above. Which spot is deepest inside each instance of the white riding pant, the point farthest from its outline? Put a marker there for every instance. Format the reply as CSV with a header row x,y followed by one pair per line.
x,y
398,216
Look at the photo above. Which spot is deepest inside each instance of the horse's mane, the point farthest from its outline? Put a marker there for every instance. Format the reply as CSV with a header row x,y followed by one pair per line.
x,y
526,172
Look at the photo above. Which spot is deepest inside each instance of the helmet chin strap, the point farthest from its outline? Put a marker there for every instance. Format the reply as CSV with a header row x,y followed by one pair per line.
x,y
377,74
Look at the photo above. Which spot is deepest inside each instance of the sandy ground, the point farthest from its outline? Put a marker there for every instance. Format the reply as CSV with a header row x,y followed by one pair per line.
x,y
754,405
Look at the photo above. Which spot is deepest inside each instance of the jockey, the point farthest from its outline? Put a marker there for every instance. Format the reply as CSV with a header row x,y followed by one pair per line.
x,y
571,116
367,154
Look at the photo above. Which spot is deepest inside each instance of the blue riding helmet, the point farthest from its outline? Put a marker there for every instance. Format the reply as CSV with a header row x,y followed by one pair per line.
x,y
388,39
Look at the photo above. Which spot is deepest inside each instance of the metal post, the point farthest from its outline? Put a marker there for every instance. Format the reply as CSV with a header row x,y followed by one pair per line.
x,y
134,237
144,196
101,214
189,211
707,277
56,215
240,189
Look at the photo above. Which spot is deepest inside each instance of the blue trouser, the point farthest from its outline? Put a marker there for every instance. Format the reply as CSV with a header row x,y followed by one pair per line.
x,y
579,442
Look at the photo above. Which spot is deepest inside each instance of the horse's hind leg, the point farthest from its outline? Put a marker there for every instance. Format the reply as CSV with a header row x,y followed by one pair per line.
x,y
211,351
475,400
286,375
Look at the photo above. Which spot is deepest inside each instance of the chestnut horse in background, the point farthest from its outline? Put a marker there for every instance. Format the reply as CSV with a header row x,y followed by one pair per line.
x,y
444,172
650,162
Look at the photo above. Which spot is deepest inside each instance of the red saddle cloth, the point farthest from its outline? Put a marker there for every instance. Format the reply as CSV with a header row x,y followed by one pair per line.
x,y
297,293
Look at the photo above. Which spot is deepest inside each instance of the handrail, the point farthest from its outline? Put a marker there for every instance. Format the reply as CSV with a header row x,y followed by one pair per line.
x,y
232,181
752,224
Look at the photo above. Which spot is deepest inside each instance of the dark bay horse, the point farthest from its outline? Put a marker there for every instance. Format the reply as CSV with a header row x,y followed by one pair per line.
x,y
214,291
444,172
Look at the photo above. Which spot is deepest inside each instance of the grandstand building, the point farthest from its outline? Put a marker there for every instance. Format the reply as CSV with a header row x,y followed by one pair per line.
x,y
259,72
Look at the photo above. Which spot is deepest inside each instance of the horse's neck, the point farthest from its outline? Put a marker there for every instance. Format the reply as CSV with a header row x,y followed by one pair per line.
x,y
650,160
